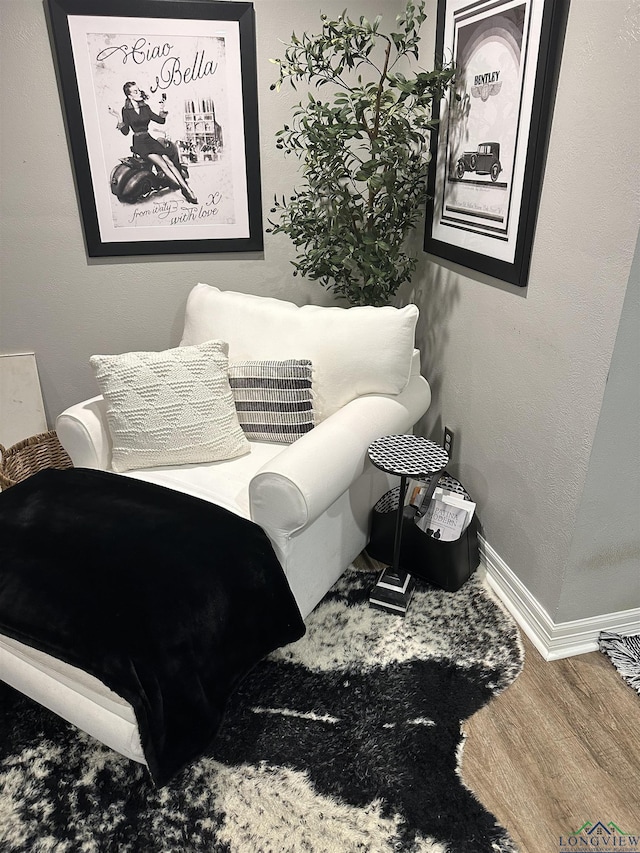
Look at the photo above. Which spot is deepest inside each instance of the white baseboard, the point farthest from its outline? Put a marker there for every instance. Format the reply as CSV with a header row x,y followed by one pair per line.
x,y
552,640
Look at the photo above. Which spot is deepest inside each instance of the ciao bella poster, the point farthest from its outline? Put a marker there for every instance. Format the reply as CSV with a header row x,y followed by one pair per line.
x,y
163,115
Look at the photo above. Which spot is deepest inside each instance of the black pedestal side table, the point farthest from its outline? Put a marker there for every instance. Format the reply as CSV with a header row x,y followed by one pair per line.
x,y
405,456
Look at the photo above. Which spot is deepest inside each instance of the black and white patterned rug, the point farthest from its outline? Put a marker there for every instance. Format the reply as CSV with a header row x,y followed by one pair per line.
x,y
348,740
624,653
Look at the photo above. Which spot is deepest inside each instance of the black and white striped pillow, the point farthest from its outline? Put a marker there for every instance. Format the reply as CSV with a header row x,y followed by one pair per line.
x,y
273,398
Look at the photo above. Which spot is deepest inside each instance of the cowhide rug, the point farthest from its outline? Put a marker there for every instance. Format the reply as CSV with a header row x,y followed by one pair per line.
x,y
347,740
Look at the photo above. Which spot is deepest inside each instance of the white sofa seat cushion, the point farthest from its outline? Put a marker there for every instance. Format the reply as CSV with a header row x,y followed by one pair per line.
x,y
78,696
225,483
354,351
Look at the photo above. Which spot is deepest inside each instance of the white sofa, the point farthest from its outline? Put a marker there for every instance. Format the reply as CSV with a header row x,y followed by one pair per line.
x,y
312,497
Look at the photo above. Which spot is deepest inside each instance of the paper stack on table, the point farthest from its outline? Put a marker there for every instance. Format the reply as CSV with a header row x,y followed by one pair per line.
x,y
446,516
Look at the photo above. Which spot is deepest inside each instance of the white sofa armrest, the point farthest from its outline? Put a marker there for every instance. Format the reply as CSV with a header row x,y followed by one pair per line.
x,y
294,488
84,434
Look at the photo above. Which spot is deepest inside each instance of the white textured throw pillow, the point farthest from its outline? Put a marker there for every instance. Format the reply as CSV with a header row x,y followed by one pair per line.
x,y
354,351
170,408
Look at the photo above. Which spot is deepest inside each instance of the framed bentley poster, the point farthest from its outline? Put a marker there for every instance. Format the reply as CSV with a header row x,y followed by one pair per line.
x,y
489,147
160,99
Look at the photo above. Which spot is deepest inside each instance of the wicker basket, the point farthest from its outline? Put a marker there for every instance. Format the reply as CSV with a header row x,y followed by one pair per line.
x,y
31,455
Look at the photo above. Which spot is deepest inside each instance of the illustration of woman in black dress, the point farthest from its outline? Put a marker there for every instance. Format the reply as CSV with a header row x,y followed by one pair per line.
x,y
136,115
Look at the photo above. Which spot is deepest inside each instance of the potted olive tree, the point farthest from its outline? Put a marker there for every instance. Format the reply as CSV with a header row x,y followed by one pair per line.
x,y
364,147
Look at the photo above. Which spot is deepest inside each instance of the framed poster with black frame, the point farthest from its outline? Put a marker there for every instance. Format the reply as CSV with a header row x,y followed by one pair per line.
x,y
489,147
160,98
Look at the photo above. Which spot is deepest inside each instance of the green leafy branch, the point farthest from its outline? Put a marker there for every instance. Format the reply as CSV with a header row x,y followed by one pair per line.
x,y
364,153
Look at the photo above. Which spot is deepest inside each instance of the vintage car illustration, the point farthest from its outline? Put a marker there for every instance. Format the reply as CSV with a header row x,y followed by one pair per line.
x,y
484,161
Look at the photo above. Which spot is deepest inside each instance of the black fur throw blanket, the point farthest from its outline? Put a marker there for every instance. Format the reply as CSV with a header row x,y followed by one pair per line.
x,y
167,599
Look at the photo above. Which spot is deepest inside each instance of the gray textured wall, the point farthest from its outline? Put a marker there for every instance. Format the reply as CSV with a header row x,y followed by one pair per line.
x,y
605,550
519,375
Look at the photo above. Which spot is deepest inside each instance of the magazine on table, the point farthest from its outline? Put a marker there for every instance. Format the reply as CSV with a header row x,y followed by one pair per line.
x,y
446,516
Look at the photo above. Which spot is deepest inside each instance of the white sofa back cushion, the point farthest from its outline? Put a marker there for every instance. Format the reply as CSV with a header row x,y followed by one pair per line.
x,y
354,351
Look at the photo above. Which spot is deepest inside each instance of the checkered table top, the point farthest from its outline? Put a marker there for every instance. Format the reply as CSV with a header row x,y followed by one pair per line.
x,y
407,455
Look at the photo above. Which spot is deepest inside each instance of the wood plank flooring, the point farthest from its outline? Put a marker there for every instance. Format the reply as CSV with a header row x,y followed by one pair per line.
x,y
559,747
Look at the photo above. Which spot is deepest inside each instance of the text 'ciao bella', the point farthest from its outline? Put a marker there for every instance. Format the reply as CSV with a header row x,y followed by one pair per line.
x,y
173,71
